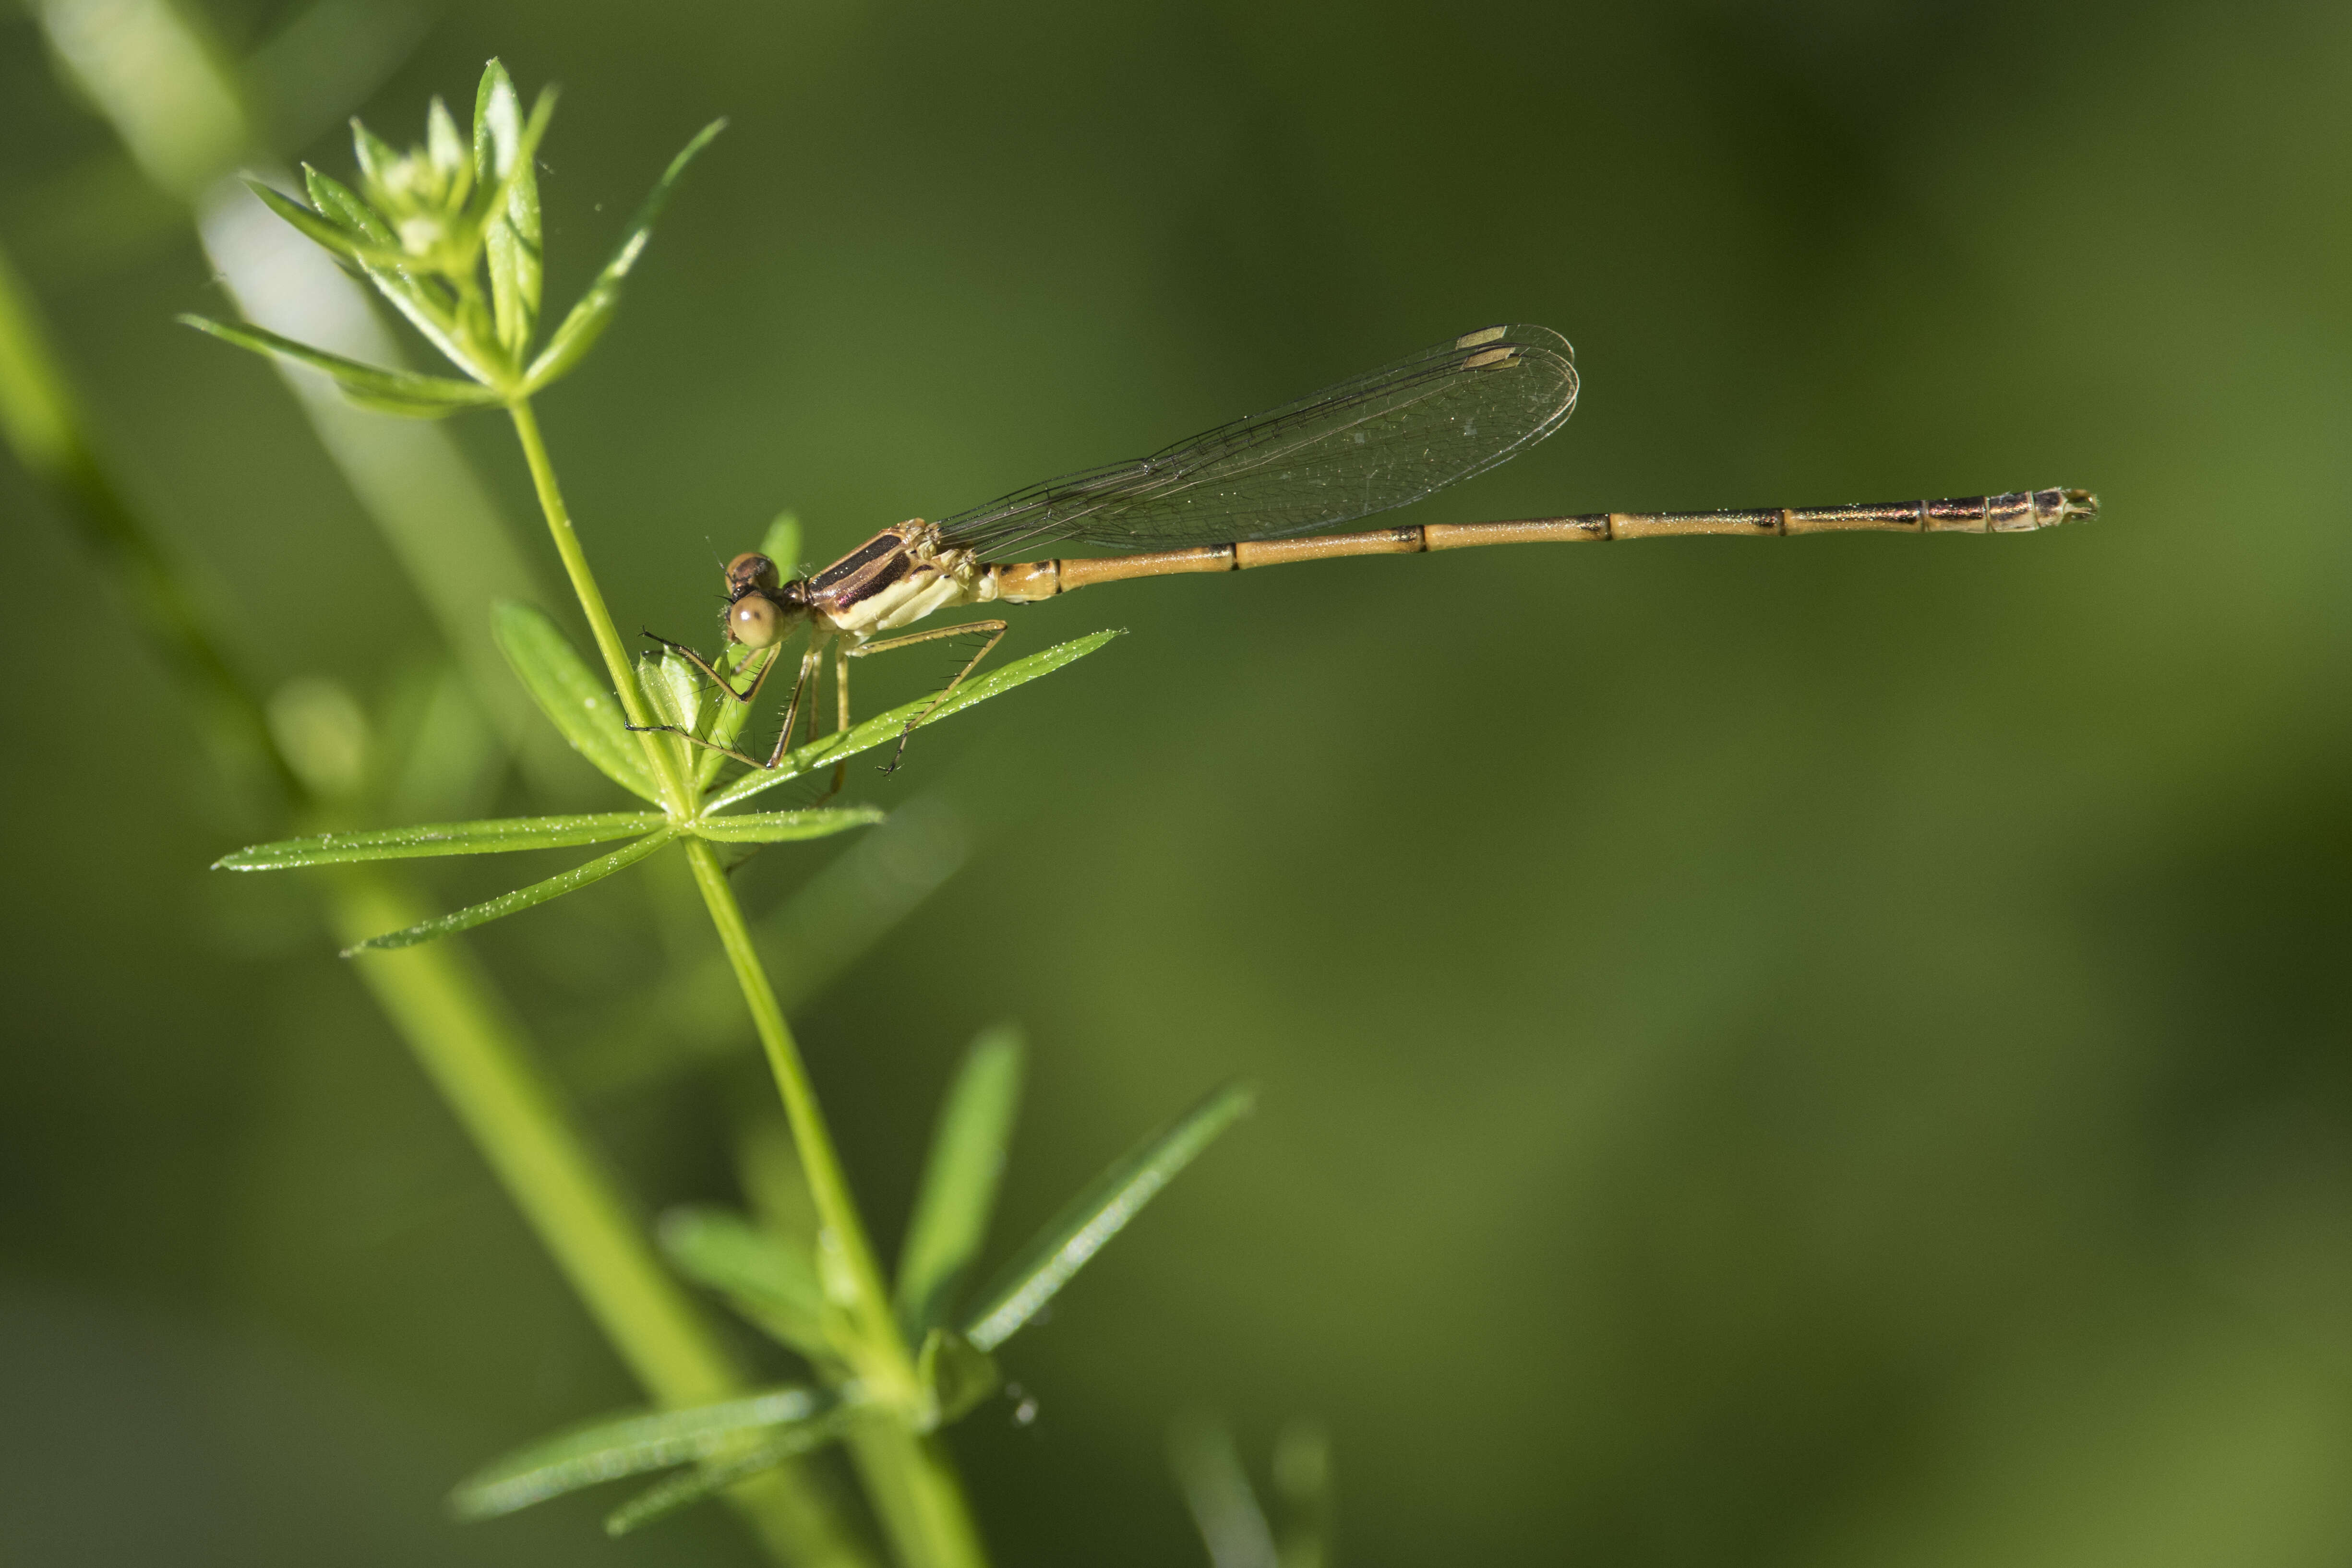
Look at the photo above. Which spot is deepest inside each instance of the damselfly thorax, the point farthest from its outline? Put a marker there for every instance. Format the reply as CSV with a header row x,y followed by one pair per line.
x,y
1258,492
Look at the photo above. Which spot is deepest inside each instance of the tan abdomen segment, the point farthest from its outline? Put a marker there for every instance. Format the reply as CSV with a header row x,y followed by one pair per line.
x,y
2020,511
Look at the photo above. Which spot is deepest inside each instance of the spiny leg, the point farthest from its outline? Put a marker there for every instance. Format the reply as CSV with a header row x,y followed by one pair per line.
x,y
806,688
689,735
812,665
841,722
995,630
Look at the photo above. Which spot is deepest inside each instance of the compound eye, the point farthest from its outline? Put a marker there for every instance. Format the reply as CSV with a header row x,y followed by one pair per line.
x,y
752,570
755,622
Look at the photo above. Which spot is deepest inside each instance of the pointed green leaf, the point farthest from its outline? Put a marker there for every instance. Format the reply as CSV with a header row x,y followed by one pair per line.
x,y
959,1179
496,836
399,407
765,1276
589,318
674,688
575,700
497,117
375,155
504,158
446,149
319,227
1097,1214
516,161
885,729
520,899
516,269
714,1476
608,1449
783,542
339,204
395,392
784,827
956,1375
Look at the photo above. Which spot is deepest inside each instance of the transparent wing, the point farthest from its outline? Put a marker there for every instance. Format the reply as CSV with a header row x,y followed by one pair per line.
x,y
1381,440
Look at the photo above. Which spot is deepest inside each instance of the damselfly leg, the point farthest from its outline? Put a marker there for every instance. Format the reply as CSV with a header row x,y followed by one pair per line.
x,y
841,704
995,633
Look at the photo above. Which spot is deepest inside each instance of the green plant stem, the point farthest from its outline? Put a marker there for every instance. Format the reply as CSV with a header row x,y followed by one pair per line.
x,y
917,1494
828,1187
909,1474
887,1361
913,1481
592,605
444,1008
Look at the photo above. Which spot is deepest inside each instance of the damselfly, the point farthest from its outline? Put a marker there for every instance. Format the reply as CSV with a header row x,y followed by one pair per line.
x,y
1254,493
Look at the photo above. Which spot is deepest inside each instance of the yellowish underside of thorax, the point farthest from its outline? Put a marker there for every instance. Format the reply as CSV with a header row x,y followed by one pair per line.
x,y
940,582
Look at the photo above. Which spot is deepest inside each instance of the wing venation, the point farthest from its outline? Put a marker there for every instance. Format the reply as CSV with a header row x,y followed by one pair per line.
x,y
1381,440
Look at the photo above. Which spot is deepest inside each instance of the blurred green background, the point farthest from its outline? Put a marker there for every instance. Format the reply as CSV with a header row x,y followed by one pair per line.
x,y
1818,1052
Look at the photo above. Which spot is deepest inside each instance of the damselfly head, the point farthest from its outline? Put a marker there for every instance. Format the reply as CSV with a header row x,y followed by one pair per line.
x,y
749,570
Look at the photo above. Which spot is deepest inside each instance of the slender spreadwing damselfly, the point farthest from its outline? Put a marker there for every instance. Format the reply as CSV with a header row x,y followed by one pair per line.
x,y
1256,492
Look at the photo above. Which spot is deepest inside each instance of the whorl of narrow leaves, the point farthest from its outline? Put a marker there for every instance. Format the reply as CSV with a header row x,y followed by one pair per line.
x,y
775,1284
589,716
449,234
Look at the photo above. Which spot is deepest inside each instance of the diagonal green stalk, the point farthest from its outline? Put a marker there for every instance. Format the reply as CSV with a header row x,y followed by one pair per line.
x,y
675,793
